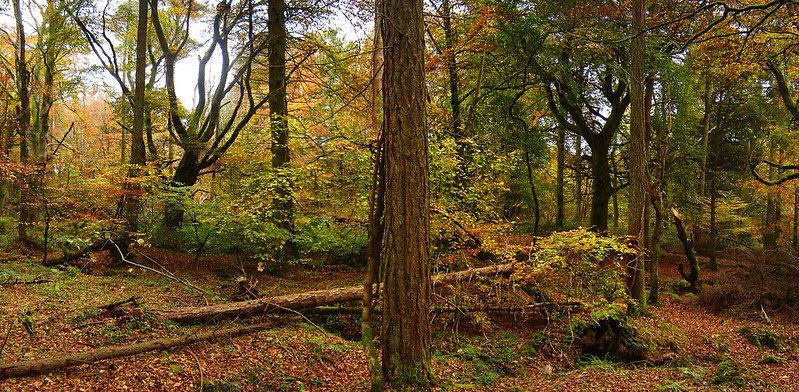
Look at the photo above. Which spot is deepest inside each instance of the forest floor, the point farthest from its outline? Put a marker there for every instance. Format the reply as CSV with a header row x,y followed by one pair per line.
x,y
704,350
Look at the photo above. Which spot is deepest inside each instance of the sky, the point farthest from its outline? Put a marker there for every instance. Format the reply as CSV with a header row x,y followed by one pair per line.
x,y
187,68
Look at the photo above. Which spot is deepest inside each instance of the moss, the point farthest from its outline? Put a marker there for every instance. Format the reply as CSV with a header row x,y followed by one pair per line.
x,y
771,359
728,372
762,337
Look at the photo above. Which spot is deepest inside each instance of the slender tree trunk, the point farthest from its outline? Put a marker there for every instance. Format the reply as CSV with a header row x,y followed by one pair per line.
x,y
713,225
406,239
376,207
283,204
152,150
657,196
771,221
615,183
535,207
26,200
795,237
578,178
131,203
123,146
451,61
560,214
637,155
706,124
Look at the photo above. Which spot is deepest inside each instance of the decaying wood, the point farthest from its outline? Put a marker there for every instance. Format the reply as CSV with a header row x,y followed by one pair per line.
x,y
39,366
305,300
16,281
116,304
692,276
336,310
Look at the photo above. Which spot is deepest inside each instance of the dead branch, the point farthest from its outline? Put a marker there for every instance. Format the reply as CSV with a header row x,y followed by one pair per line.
x,y
692,276
39,366
16,281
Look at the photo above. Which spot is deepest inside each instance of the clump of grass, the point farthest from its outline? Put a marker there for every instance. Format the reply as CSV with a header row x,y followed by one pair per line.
x,y
728,372
771,359
762,337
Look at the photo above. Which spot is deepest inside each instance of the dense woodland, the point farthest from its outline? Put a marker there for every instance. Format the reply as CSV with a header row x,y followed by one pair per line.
x,y
375,195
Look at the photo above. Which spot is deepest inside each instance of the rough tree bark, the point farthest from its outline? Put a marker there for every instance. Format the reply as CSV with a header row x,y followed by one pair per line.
x,y
560,214
637,155
406,237
376,206
283,202
658,191
131,202
26,201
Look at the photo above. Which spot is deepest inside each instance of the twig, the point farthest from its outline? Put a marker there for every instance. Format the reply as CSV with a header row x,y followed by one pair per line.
x,y
166,274
765,316
322,330
5,340
199,368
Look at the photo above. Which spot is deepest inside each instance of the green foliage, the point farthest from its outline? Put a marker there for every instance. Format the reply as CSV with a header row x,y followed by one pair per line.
x,y
762,337
579,266
591,361
771,359
671,386
7,236
695,373
728,372
324,235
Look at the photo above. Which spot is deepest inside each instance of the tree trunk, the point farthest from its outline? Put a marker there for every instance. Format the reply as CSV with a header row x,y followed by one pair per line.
x,y
602,188
376,207
578,178
795,237
706,124
406,237
637,156
692,276
451,61
657,196
131,203
26,200
560,213
615,183
261,306
535,206
713,226
186,175
283,202
771,220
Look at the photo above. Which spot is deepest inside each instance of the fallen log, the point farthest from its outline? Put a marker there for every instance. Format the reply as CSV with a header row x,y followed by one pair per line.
x,y
17,281
311,299
335,310
39,366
